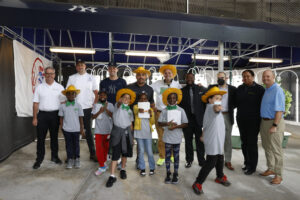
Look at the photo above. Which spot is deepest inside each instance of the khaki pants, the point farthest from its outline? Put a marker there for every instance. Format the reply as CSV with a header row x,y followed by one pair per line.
x,y
272,144
227,144
160,133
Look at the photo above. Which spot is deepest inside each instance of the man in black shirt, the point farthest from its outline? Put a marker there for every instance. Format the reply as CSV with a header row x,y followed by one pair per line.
x,y
194,109
248,100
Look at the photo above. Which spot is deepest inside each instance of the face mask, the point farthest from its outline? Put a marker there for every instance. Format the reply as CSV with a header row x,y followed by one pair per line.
x,y
217,103
221,81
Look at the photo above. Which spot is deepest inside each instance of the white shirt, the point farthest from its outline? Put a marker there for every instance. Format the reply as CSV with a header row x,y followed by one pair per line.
x,y
103,123
159,87
49,97
224,99
86,83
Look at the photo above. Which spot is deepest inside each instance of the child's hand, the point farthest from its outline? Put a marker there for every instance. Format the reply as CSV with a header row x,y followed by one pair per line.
x,y
82,132
102,109
217,108
141,110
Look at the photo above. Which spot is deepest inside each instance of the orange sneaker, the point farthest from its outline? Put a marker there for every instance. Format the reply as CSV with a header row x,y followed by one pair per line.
x,y
223,181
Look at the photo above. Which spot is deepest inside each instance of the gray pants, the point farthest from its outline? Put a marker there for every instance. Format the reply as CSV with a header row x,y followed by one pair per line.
x,y
227,144
272,144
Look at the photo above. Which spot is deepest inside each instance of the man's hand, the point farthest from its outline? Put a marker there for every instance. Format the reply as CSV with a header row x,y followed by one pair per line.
x,y
273,129
201,139
34,121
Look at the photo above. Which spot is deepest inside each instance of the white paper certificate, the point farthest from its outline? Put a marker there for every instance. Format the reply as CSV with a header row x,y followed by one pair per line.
x,y
145,106
174,115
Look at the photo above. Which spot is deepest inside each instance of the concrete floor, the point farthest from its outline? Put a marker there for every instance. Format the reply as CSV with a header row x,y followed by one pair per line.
x,y
18,181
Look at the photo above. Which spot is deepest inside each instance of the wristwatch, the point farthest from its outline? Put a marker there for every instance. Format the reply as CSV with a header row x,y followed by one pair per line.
x,y
275,125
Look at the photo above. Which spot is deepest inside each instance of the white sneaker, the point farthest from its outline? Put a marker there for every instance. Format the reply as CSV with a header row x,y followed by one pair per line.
x,y
100,170
77,163
70,163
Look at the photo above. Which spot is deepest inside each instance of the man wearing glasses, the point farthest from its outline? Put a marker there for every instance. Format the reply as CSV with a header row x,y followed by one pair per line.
x,y
46,101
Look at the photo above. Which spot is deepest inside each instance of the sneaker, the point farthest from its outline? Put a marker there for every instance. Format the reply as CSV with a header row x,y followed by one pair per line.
x,y
175,178
188,164
160,161
197,187
168,178
36,165
152,172
100,171
111,180
123,174
143,172
223,181
77,163
70,164
172,159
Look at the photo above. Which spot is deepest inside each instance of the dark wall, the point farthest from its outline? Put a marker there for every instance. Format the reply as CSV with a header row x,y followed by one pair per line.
x,y
15,132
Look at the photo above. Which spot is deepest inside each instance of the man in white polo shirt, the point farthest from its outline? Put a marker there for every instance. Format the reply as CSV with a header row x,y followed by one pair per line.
x,y
169,72
88,87
46,101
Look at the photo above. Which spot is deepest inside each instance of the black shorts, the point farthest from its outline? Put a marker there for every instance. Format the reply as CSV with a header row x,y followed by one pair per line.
x,y
117,150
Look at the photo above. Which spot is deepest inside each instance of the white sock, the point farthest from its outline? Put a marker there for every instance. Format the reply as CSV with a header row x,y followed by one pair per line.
x,y
112,175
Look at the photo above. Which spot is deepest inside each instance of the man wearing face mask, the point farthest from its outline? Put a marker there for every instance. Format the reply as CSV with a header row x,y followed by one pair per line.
x,y
194,109
228,105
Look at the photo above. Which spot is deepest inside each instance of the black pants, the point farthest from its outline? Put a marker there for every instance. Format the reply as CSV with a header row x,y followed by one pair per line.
x,y
72,144
212,161
47,121
88,132
249,129
189,132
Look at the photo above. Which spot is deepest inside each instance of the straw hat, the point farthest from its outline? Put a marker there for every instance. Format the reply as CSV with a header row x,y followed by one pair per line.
x,y
142,70
170,67
212,91
169,91
71,88
126,91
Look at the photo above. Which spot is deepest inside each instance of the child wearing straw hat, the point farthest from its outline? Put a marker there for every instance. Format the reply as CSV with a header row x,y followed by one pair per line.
x,y
71,121
213,137
121,139
173,119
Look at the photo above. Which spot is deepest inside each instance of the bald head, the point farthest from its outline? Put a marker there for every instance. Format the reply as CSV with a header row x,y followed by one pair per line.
x,y
268,78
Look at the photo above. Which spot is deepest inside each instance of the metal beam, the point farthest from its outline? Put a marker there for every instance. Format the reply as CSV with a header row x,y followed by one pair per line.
x,y
71,41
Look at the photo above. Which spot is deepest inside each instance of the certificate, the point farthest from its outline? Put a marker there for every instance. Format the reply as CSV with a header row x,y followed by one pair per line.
x,y
145,106
174,115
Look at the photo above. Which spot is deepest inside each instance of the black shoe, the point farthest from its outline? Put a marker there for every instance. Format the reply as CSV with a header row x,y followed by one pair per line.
x,y
249,172
143,172
56,160
123,174
111,180
36,165
94,158
175,178
152,172
188,164
168,178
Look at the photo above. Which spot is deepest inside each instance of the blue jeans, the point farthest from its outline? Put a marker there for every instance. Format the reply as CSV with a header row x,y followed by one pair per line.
x,y
145,145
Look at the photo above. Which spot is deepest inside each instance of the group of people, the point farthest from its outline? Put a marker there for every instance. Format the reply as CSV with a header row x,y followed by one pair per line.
x,y
205,115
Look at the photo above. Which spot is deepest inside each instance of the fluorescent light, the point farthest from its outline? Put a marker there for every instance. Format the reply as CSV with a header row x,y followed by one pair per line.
x,y
72,50
265,60
209,57
147,53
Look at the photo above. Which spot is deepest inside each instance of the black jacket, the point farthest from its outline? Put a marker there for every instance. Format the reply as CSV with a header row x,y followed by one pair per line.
x,y
199,106
248,100
231,100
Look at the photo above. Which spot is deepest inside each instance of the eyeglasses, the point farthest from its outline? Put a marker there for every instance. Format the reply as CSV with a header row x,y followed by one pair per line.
x,y
49,73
